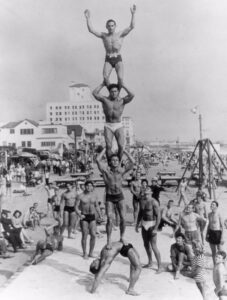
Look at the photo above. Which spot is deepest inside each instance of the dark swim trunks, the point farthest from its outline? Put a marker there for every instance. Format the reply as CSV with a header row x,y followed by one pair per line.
x,y
57,208
113,60
69,209
125,249
114,198
89,218
214,237
135,198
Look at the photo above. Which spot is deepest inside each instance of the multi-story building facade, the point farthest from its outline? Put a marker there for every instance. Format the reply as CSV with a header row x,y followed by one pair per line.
x,y
82,109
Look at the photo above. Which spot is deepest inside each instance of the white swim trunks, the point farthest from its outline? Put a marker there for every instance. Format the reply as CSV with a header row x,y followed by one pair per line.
x,y
113,126
147,224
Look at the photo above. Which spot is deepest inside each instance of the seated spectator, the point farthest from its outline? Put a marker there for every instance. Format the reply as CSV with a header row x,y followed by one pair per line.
x,y
17,223
167,217
53,241
31,218
180,254
11,234
3,246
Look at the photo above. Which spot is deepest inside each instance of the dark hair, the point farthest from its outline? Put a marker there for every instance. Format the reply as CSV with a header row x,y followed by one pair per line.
x,y
113,155
87,182
144,180
222,253
17,211
112,86
93,269
110,20
215,203
179,235
171,201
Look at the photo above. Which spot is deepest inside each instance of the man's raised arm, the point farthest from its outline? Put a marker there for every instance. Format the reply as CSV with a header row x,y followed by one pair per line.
x,y
96,93
99,160
89,25
132,24
129,96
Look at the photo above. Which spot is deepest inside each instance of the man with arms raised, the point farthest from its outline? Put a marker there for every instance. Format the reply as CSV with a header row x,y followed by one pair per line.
x,y
113,177
112,42
107,256
149,217
113,107
67,207
86,208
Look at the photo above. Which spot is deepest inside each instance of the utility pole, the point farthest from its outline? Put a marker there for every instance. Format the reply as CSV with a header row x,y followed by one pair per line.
x,y
75,150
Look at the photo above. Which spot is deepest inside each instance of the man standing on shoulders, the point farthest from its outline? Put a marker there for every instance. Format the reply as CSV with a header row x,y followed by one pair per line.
x,y
86,208
215,229
113,177
113,107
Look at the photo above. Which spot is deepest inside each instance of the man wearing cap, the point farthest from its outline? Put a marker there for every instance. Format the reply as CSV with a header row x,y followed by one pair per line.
x,y
149,217
86,208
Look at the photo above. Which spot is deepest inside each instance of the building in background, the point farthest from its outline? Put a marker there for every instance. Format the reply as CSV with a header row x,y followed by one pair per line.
x,y
19,134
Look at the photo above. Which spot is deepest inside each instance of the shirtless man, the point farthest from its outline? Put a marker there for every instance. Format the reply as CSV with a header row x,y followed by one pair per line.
x,y
188,221
51,191
167,217
215,229
113,107
112,42
57,203
200,209
135,189
113,177
149,217
107,256
182,191
87,207
68,212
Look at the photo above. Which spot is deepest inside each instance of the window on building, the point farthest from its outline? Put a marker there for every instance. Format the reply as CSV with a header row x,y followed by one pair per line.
x,y
87,118
56,119
51,113
27,131
29,144
50,107
48,144
59,113
90,118
59,107
56,107
51,119
56,113
65,119
23,144
12,131
49,130
65,113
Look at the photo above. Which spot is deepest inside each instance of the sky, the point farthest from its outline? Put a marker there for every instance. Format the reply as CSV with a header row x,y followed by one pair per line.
x,y
174,59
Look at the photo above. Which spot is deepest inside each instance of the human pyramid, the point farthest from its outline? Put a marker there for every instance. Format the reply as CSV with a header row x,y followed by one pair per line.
x,y
149,216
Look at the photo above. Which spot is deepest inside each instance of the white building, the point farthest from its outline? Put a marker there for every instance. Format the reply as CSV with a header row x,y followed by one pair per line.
x,y
19,134
84,110
41,136
128,131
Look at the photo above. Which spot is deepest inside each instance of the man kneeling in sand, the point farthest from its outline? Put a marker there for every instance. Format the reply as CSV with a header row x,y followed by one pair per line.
x,y
54,241
107,256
